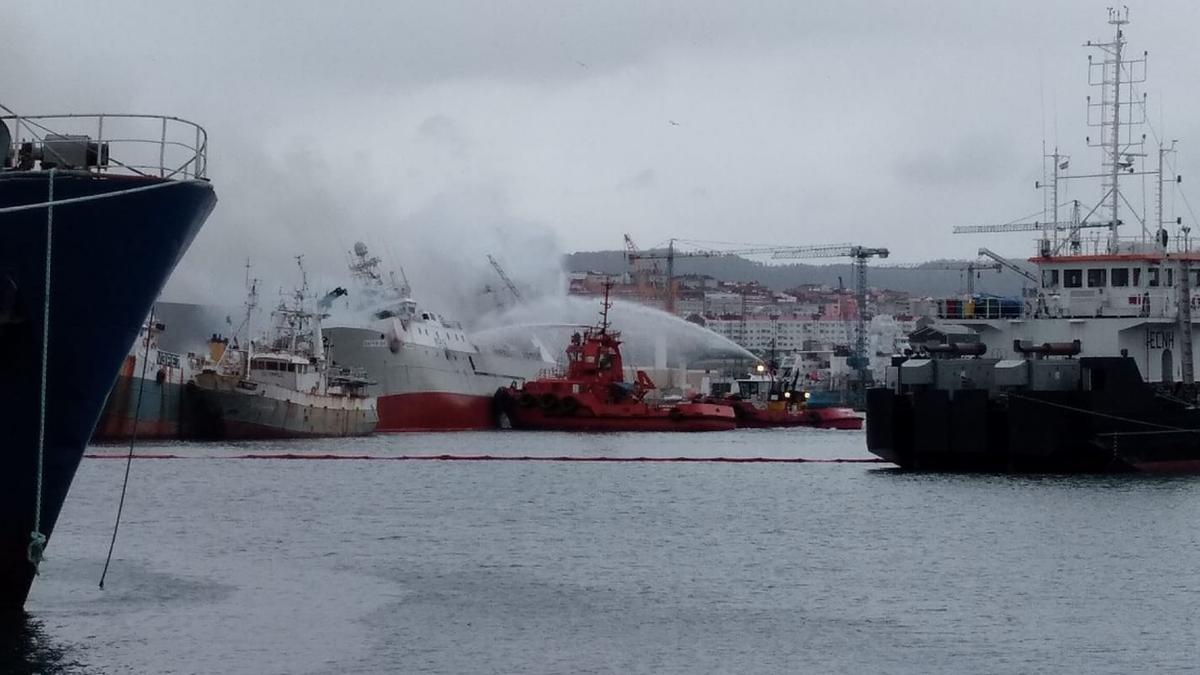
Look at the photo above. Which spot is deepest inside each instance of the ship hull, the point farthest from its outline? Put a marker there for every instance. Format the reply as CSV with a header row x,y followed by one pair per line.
x,y
435,411
750,416
231,409
687,417
427,388
149,408
98,300
1123,428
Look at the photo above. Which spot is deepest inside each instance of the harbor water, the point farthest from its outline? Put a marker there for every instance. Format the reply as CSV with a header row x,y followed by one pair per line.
x,y
235,565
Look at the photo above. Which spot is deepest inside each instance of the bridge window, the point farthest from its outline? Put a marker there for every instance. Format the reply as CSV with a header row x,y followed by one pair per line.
x,y
1170,276
1049,278
1120,276
1137,277
1152,277
1097,278
1073,278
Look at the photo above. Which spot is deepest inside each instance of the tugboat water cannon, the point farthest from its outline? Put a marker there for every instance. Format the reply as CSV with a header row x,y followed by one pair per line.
x,y
593,395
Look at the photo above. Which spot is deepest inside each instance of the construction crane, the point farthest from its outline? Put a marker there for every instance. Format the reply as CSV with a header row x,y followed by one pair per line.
x,y
1019,227
639,276
632,255
1048,247
504,277
859,255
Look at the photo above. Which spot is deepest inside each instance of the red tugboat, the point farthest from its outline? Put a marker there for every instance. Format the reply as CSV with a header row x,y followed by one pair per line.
x,y
594,396
764,402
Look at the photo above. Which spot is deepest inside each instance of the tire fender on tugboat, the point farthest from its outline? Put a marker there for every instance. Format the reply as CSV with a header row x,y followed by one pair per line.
x,y
569,405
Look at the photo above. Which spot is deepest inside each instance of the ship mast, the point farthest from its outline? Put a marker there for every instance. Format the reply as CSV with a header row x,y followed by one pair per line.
x,y
1117,75
608,284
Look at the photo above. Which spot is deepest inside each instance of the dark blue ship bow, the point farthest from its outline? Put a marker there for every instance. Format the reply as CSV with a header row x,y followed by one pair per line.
x,y
112,251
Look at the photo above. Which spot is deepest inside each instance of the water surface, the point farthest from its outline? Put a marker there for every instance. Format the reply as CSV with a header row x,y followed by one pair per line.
x,y
359,566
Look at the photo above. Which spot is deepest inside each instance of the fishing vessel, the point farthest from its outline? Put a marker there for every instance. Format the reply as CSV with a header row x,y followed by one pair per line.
x,y
1092,370
427,373
764,399
593,395
148,399
95,212
284,388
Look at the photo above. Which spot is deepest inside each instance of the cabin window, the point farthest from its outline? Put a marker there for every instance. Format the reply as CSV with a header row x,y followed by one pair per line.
x,y
1049,278
1120,277
1097,278
1170,276
1152,277
1137,276
1073,278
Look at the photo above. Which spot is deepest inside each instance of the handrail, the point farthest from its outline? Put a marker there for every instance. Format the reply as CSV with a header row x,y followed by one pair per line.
x,y
182,145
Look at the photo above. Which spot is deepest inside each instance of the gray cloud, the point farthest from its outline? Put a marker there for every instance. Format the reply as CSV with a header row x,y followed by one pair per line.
x,y
451,129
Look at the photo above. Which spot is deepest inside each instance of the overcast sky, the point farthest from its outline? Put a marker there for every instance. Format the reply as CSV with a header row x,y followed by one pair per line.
x,y
443,130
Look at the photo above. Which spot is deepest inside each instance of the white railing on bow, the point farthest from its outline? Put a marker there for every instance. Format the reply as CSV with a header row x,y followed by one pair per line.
x,y
148,145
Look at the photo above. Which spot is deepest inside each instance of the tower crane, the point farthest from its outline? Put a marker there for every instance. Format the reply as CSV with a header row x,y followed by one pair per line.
x,y
859,256
632,255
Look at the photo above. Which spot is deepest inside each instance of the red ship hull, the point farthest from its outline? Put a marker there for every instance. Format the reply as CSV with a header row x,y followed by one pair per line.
x,y
435,411
750,416
630,417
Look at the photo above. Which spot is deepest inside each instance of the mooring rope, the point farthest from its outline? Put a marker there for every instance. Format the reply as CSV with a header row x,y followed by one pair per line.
x,y
37,540
137,414
89,198
1105,415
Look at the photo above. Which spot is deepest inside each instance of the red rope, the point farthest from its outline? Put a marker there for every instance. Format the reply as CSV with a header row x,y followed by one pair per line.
x,y
514,458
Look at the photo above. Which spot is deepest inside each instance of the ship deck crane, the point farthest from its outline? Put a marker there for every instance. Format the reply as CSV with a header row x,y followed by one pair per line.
x,y
970,268
512,288
1007,264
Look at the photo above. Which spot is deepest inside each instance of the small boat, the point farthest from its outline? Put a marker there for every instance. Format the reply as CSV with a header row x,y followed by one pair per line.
x,y
764,401
593,395
751,415
286,389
